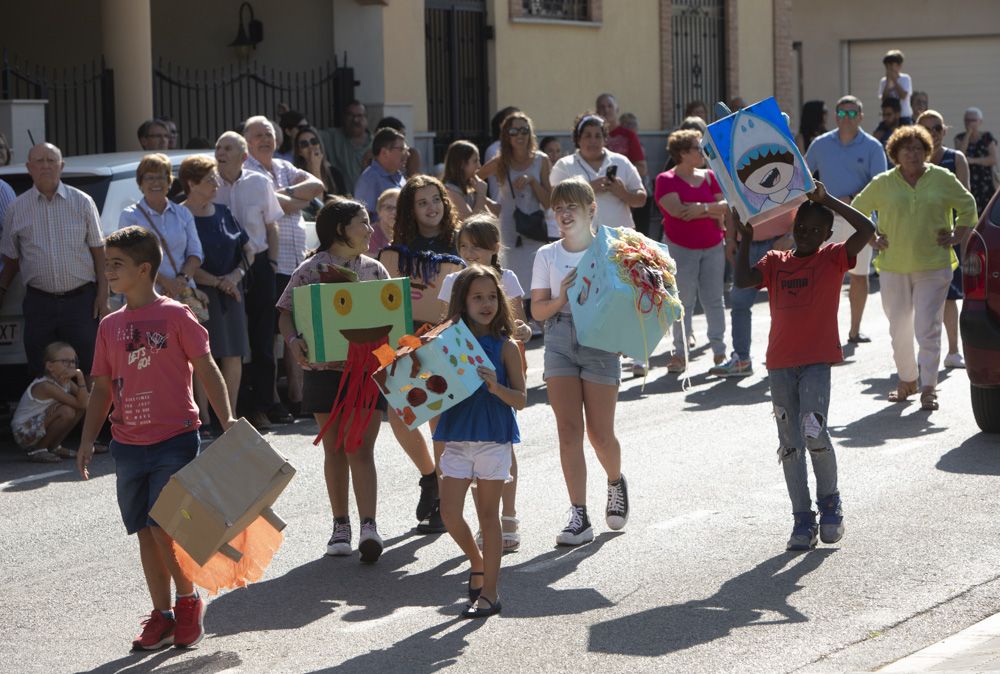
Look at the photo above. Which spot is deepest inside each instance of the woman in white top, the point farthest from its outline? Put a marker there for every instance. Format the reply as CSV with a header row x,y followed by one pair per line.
x,y
618,191
522,172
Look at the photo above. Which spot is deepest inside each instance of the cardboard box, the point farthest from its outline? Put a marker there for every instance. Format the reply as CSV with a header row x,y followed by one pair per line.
x,y
624,297
430,375
426,271
754,157
332,315
215,497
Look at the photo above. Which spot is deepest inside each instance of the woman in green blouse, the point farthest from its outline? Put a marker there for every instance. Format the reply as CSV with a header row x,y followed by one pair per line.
x,y
914,204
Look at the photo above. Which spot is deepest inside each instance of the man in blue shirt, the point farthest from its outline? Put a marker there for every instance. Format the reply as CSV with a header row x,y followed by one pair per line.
x,y
385,171
846,159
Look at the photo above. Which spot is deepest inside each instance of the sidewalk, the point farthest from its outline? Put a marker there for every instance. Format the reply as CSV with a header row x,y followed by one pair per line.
x,y
974,649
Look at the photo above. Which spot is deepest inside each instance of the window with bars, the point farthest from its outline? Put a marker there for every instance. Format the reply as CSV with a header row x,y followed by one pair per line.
x,y
562,10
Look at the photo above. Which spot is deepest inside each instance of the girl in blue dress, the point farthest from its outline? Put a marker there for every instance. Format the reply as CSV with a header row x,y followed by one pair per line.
x,y
480,431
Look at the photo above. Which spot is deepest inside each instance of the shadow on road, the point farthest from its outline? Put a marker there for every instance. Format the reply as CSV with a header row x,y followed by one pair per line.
x,y
743,601
978,455
886,422
39,475
160,662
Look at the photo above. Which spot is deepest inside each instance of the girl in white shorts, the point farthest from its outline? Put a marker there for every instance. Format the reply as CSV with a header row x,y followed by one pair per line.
x,y
479,433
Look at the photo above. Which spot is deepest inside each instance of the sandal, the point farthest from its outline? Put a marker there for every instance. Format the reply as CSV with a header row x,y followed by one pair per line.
x,y
474,592
64,452
43,456
929,401
473,611
903,391
511,539
676,365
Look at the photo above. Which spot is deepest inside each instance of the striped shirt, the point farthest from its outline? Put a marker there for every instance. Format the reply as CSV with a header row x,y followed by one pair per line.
x,y
252,202
177,233
291,227
51,240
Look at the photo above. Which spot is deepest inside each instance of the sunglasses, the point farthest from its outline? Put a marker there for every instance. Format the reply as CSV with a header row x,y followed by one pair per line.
x,y
848,113
306,142
518,131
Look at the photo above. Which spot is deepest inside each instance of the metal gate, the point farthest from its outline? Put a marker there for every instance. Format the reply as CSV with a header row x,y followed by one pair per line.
x,y
699,53
80,114
204,103
457,77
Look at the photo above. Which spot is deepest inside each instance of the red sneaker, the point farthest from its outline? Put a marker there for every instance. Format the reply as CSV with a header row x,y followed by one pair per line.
x,y
157,632
190,615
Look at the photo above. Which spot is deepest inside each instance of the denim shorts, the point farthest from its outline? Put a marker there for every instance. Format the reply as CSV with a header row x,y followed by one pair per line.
x,y
477,460
143,470
565,357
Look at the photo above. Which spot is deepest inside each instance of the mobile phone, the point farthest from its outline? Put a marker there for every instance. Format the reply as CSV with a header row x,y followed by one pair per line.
x,y
612,172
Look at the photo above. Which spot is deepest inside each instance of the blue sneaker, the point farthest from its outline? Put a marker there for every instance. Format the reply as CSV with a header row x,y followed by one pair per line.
x,y
734,367
803,532
831,518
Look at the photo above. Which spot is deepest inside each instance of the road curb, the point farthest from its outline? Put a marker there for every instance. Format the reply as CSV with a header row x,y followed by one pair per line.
x,y
972,644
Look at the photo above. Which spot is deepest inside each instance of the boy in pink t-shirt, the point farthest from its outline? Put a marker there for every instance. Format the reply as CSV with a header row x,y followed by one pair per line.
x,y
144,357
804,294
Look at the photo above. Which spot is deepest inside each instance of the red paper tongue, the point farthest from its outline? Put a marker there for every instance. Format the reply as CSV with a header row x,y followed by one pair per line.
x,y
356,396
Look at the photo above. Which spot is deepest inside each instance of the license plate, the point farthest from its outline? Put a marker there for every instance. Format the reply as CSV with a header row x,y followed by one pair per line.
x,y
10,333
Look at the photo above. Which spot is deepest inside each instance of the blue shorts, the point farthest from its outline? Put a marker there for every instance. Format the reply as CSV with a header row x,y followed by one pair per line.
x,y
143,470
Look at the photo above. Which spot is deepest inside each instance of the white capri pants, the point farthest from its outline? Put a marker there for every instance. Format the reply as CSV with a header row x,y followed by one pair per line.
x,y
914,305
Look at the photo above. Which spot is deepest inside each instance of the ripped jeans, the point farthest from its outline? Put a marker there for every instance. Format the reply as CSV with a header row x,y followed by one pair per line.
x,y
801,398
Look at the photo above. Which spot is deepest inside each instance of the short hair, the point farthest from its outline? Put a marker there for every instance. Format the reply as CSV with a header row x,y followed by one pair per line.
x,y
258,119
139,245
681,141
892,56
545,141
194,169
391,123
919,93
49,354
240,140
692,106
811,209
696,124
573,190
148,124
154,163
976,111
607,95
386,195
585,119
849,100
903,135
892,103
351,103
628,118
384,138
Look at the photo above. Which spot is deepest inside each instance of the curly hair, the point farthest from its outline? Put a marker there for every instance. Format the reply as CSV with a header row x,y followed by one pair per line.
x,y
407,231
903,135
681,141
585,119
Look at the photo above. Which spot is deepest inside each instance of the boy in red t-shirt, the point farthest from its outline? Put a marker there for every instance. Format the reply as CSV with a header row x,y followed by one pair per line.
x,y
803,287
143,361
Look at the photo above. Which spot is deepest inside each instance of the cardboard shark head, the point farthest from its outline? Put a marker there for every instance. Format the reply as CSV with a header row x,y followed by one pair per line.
x,y
331,316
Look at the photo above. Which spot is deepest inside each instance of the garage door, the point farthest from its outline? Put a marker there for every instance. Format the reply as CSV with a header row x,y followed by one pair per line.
x,y
956,72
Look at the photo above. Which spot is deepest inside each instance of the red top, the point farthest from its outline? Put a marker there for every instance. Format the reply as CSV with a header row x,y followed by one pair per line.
x,y
626,141
697,234
804,294
147,353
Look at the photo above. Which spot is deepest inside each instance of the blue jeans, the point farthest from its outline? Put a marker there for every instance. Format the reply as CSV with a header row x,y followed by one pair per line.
x,y
700,274
741,302
801,398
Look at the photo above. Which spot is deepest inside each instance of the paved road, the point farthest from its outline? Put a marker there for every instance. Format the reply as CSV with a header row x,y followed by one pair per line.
x,y
698,582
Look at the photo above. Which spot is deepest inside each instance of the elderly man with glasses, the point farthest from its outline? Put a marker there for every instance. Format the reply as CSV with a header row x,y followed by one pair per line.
x,y
846,159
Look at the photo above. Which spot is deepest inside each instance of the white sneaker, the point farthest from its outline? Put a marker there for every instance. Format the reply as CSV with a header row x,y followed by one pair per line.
x,y
954,360
617,510
340,541
578,529
370,543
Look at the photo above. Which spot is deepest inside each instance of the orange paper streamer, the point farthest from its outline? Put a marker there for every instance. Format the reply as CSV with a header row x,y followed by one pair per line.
x,y
258,543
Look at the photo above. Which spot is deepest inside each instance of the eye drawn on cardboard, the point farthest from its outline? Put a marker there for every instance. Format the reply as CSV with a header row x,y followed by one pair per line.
x,y
754,157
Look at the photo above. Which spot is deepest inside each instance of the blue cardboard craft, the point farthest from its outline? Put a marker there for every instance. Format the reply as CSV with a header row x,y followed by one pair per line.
x,y
625,296
754,157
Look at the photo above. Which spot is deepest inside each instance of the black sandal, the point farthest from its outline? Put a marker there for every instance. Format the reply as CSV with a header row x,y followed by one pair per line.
x,y
473,611
474,592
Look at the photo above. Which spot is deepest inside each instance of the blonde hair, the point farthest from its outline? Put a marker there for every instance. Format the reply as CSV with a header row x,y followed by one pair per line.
x,y
385,196
574,190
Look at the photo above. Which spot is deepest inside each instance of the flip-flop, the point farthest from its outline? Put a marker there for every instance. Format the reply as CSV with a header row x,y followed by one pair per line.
x,y
43,456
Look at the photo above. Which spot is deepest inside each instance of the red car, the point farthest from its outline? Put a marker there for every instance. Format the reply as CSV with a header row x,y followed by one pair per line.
x,y
980,319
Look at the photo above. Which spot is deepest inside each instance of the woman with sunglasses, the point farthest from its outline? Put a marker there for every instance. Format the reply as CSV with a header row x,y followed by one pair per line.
x,y
980,148
522,172
954,161
309,156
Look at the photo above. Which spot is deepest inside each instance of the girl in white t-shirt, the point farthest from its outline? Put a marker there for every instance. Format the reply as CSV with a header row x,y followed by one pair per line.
x,y
479,243
582,381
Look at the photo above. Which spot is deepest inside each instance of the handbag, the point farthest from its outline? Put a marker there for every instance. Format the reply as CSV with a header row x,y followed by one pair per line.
x,y
196,300
529,225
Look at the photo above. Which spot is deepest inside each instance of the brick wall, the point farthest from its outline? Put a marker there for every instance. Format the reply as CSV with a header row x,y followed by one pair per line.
x,y
783,70
666,67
